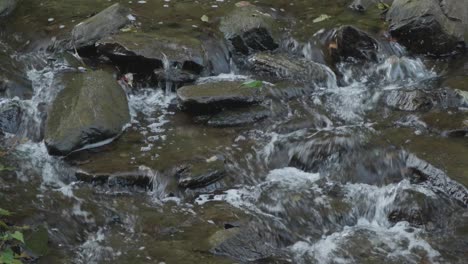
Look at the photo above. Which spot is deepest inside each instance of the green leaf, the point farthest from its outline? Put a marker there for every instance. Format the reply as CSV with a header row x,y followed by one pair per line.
x,y
205,18
18,236
7,256
321,18
4,212
253,84
383,6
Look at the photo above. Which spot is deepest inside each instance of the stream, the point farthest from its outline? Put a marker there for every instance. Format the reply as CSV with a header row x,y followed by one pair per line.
x,y
359,168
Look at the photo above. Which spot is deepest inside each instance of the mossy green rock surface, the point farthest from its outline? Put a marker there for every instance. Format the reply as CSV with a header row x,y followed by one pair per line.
x,y
92,107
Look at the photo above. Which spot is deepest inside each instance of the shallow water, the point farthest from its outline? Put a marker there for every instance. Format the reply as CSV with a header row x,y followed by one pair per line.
x,y
316,182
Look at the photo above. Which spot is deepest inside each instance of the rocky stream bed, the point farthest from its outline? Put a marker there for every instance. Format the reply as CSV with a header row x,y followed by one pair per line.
x,y
219,131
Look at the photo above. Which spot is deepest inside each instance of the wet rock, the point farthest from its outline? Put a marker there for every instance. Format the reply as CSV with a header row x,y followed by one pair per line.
x,y
239,117
92,107
421,100
413,207
201,173
11,114
249,30
7,6
179,58
434,178
282,67
13,85
363,5
351,44
103,24
210,97
124,179
412,100
244,244
430,26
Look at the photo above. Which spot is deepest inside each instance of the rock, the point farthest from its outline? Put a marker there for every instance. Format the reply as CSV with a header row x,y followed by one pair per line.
x,y
245,244
179,58
210,97
280,67
421,100
432,27
405,100
434,178
103,24
12,85
92,107
6,7
201,173
11,114
239,117
363,5
249,30
353,45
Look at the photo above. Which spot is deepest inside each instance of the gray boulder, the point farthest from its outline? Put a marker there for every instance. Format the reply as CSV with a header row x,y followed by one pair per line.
x,y
280,67
434,27
103,24
249,30
6,7
210,97
92,107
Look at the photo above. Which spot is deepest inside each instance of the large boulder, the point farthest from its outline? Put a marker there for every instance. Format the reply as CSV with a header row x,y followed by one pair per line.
x,y
177,58
432,27
6,7
92,107
280,67
249,30
353,45
105,23
210,97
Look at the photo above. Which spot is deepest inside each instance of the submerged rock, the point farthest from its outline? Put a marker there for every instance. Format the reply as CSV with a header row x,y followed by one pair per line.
x,y
103,24
245,244
249,30
91,108
363,5
215,96
430,26
421,100
6,7
11,114
201,173
351,44
239,117
280,67
13,85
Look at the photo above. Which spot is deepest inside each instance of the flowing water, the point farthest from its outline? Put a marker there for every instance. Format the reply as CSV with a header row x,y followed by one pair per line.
x,y
324,180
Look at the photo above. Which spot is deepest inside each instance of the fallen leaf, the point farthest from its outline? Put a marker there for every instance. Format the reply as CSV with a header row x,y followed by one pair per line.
x,y
321,18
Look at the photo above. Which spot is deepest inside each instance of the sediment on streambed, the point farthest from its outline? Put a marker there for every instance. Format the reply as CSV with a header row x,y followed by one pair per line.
x,y
233,132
